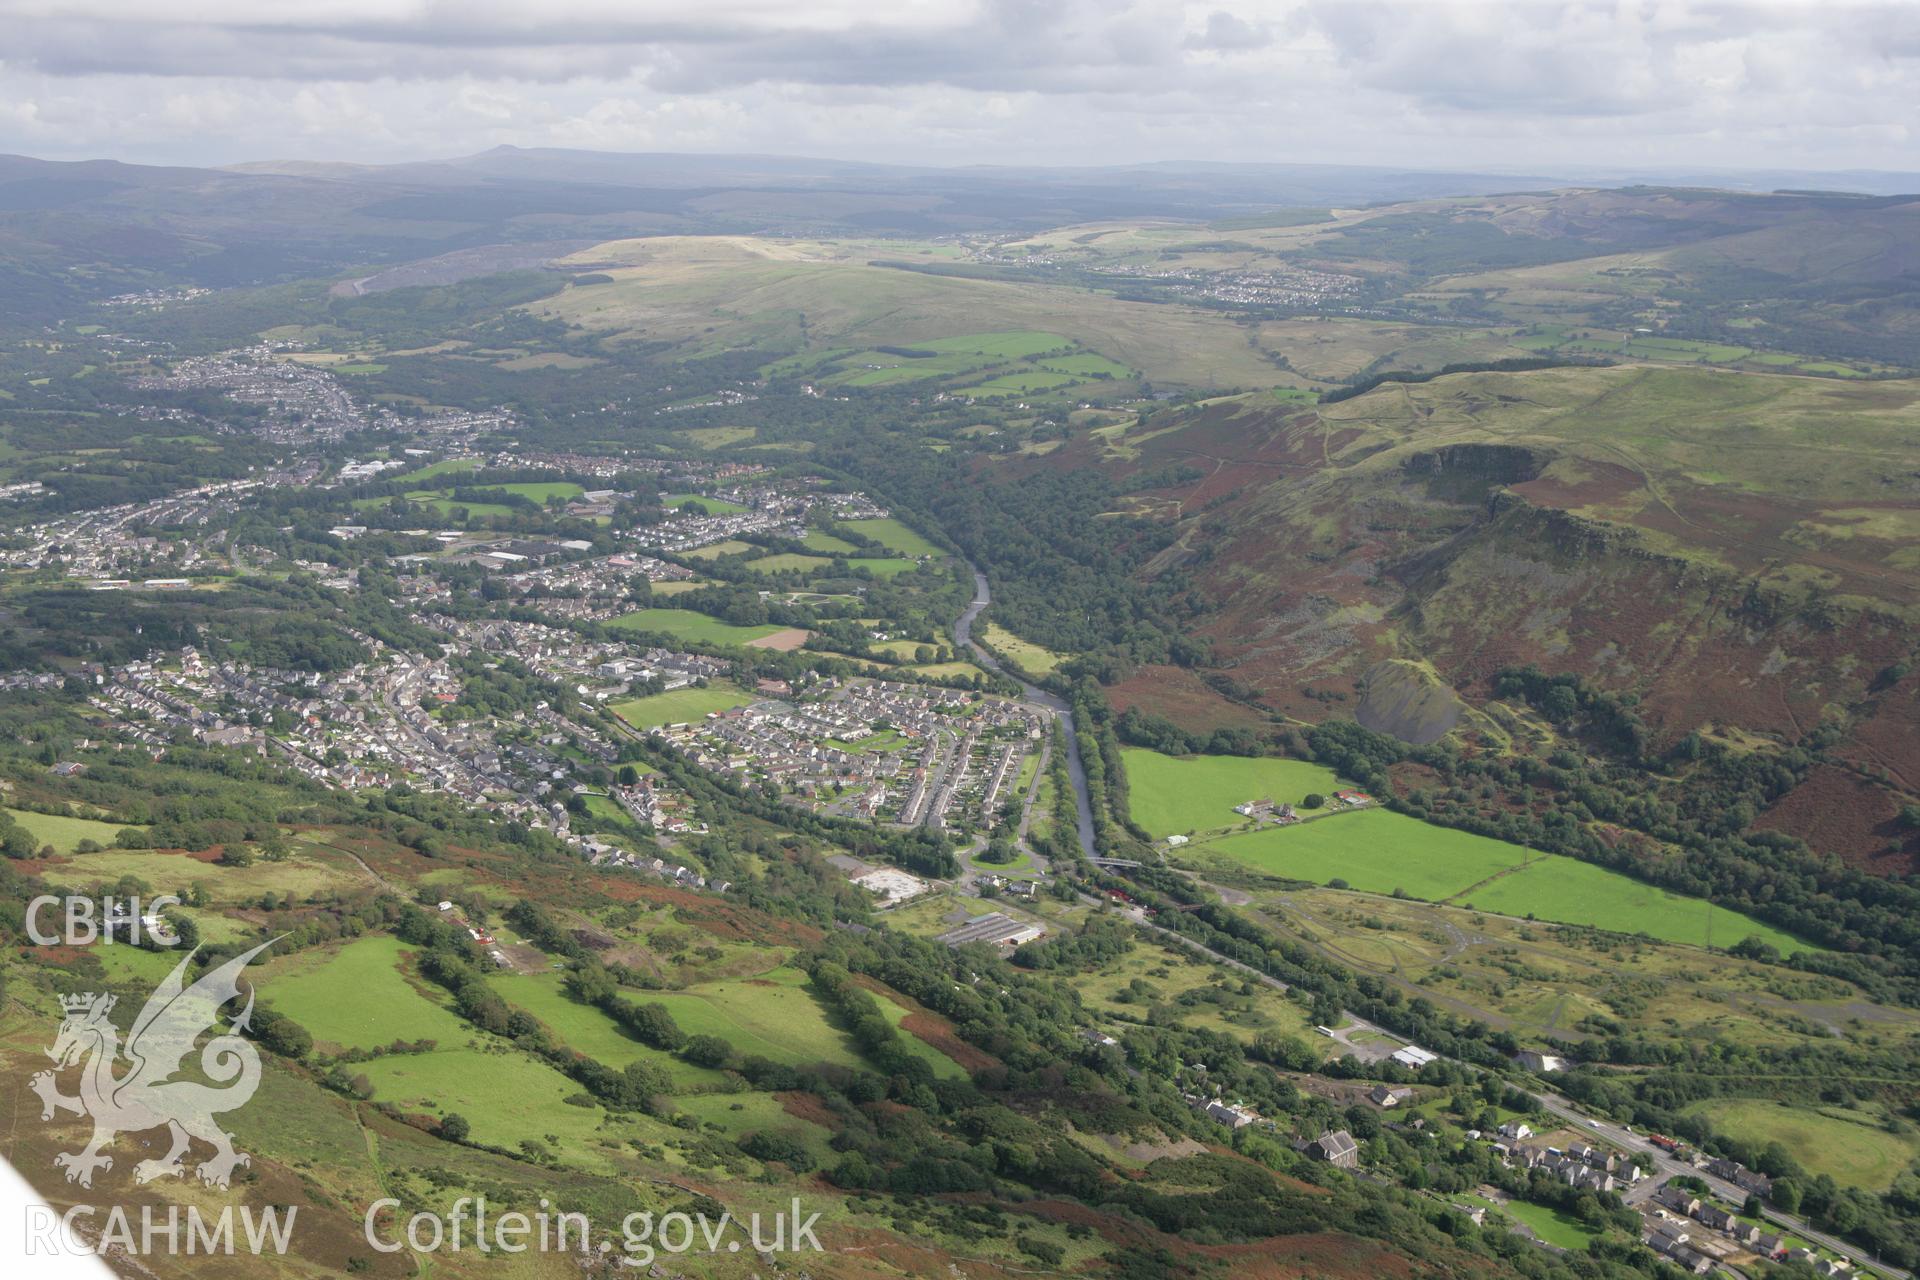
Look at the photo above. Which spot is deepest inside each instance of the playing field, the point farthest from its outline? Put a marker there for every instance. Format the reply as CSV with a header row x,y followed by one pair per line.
x,y
1853,1147
541,490
357,998
1574,892
680,706
894,536
685,624
1374,851
1171,795
64,833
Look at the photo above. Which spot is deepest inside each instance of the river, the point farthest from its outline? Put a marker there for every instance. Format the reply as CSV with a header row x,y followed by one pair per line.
x,y
1035,696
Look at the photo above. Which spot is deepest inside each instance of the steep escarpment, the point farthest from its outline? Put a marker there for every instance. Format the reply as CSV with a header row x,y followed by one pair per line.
x,y
1355,570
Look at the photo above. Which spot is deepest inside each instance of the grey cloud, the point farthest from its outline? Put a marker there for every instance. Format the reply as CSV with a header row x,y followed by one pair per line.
x,y
1226,32
1405,81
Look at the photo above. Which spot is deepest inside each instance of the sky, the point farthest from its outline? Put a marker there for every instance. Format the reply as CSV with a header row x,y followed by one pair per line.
x,y
1507,87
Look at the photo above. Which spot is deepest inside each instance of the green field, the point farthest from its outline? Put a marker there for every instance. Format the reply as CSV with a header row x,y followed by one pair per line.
x,y
506,1096
714,506
442,500
679,706
882,568
775,1017
1171,795
64,833
1852,1147
1573,892
685,624
788,562
1554,1226
1086,364
1029,657
357,998
585,1029
715,550
820,540
541,490
1015,344
1374,851
738,1114
305,873
1024,382
443,505
894,536
446,466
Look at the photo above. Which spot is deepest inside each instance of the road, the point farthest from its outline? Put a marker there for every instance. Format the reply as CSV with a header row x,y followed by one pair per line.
x,y
1664,1165
1667,1166
1033,695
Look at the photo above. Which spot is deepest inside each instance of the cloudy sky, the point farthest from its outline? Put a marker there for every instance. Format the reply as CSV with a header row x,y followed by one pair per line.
x,y
1512,86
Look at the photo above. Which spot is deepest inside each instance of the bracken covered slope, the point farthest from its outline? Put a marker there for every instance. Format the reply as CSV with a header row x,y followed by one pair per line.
x,y
1738,551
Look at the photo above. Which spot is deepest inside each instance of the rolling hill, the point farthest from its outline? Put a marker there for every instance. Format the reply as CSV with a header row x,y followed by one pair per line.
x,y
1734,551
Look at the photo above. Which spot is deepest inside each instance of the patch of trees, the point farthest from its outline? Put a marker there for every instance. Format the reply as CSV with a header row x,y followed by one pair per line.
x,y
1521,363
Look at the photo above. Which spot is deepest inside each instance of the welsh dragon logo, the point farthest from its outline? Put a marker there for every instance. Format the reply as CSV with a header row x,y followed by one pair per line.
x,y
146,1095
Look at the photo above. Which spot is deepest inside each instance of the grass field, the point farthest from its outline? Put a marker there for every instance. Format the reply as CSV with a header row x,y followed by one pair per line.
x,y
1853,1147
821,540
587,1030
680,706
685,624
738,1114
1013,344
443,505
1171,795
1201,995
64,833
541,490
304,873
1374,851
1539,979
1029,657
507,1098
714,550
442,500
1086,364
894,536
882,568
1026,382
775,1017
714,506
446,466
357,998
788,562
947,670
1555,1226
1572,892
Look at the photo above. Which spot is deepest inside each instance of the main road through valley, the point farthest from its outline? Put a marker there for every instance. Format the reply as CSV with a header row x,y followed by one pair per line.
x,y
1034,696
